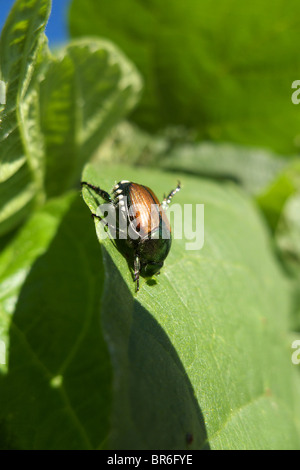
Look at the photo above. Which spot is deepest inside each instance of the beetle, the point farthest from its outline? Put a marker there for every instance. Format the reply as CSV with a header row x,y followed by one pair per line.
x,y
148,236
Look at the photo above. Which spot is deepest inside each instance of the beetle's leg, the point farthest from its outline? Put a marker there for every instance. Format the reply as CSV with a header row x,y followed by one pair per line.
x,y
137,267
95,216
167,199
98,190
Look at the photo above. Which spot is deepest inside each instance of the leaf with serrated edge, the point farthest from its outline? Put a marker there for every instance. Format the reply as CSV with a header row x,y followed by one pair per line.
x,y
21,41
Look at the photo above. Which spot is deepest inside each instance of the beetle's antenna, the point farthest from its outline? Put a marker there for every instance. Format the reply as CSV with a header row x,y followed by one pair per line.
x,y
166,201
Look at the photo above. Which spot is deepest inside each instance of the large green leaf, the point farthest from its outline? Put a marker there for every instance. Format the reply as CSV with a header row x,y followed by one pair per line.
x,y
202,349
21,42
57,111
226,71
87,89
18,257
55,392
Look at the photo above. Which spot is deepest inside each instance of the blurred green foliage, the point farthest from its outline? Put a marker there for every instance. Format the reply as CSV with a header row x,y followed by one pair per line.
x,y
225,69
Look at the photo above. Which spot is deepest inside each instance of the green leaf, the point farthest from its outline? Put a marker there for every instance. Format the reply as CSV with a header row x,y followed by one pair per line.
x,y
228,74
202,349
287,237
252,168
55,393
272,200
16,260
87,89
20,45
57,111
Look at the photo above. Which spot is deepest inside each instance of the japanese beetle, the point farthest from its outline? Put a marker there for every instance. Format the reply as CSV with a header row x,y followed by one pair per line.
x,y
148,233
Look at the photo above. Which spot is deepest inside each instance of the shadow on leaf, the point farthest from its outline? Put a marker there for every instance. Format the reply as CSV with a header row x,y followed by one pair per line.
x,y
154,405
57,393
